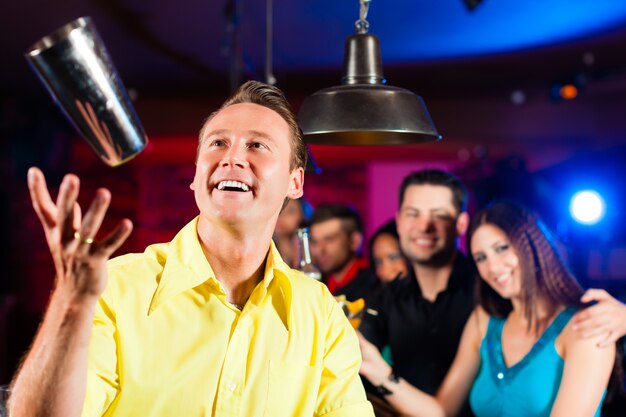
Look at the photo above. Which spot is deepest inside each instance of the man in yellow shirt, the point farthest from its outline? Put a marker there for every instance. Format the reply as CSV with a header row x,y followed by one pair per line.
x,y
213,323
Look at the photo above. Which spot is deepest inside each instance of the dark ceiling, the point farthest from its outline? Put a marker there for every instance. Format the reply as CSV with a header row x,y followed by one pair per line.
x,y
465,63
189,45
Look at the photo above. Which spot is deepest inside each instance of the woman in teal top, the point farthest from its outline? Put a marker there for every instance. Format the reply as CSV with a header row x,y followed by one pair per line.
x,y
518,355
528,388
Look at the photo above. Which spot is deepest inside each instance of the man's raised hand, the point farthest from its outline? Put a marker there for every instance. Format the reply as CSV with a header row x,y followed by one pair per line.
x,y
79,259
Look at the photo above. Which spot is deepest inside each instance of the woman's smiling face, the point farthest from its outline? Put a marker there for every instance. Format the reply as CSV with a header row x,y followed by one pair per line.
x,y
496,260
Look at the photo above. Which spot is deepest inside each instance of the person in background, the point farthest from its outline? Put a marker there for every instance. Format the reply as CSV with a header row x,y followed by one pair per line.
x,y
296,214
388,264
386,258
336,240
422,317
519,355
213,323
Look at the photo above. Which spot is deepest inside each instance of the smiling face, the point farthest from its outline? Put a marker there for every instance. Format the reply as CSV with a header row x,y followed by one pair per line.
x,y
388,260
242,170
497,262
428,224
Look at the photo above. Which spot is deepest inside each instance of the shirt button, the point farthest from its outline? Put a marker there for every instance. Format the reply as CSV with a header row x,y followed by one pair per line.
x,y
500,375
231,386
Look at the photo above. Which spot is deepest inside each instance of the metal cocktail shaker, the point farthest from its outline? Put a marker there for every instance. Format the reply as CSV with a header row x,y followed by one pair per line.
x,y
74,65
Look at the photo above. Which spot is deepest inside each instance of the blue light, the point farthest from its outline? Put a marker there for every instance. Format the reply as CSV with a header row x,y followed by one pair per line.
x,y
412,32
587,207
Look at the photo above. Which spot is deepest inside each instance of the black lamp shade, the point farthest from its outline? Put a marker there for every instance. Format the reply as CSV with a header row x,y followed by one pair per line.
x,y
364,111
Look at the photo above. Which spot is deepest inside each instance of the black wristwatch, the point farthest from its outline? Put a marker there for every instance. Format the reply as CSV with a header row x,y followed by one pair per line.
x,y
382,390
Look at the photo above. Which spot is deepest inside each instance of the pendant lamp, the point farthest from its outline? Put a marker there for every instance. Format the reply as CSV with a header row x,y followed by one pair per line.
x,y
363,110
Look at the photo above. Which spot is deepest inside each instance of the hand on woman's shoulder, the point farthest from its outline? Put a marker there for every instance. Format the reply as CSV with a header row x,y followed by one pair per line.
x,y
571,339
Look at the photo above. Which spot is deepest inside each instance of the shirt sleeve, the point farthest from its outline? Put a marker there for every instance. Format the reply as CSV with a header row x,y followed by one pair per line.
x,y
374,322
341,392
102,370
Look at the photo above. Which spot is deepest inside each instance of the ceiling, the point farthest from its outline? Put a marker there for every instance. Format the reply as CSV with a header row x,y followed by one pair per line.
x,y
465,64
163,45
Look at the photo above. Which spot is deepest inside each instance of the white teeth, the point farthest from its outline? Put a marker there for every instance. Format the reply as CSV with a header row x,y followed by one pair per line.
x,y
423,241
502,278
232,184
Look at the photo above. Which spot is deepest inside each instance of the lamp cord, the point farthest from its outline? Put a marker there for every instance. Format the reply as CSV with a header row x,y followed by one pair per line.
x,y
269,26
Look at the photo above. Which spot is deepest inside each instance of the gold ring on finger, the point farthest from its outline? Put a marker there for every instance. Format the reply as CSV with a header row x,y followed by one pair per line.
x,y
82,240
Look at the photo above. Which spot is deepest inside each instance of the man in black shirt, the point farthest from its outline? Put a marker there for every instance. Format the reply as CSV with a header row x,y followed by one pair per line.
x,y
421,318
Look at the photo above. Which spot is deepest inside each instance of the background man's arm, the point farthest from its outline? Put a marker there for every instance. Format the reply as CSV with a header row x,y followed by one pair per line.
x,y
605,318
409,400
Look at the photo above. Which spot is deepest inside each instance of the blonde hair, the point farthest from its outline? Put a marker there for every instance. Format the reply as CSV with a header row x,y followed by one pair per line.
x,y
265,95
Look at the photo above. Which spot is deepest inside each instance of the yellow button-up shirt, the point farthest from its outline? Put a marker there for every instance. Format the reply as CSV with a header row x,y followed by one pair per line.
x,y
166,342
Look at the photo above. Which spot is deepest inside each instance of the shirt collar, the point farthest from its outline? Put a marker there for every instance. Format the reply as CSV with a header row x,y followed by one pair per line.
x,y
350,275
186,267
277,284
459,277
